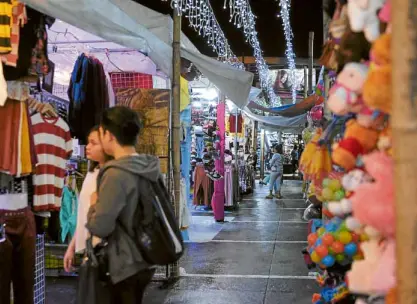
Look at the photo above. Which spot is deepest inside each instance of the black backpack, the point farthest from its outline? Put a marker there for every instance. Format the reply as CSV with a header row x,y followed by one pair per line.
x,y
156,228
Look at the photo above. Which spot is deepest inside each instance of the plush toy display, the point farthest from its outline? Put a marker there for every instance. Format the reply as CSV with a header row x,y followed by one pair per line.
x,y
358,140
353,47
373,202
354,250
363,17
345,95
377,88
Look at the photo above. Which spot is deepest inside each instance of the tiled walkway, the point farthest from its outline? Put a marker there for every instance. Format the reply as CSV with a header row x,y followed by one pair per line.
x,y
255,258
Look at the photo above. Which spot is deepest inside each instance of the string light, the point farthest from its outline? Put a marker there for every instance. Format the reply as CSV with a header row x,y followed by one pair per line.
x,y
289,53
202,19
242,17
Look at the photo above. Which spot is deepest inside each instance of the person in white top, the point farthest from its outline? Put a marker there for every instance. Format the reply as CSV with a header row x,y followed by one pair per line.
x,y
98,157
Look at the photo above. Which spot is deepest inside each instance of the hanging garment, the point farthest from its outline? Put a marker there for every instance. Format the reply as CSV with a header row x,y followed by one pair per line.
x,y
39,63
89,187
110,91
5,26
17,262
19,19
185,214
201,186
10,116
53,146
228,184
232,123
88,95
27,42
199,145
68,213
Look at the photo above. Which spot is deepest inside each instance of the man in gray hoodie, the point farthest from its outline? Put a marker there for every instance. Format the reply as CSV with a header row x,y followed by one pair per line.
x,y
112,212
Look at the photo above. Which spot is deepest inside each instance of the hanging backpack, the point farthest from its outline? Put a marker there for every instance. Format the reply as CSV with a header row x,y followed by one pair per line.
x,y
156,229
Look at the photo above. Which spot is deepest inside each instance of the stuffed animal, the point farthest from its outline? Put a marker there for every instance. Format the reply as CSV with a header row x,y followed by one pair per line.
x,y
373,202
353,47
375,274
357,140
377,87
345,95
363,17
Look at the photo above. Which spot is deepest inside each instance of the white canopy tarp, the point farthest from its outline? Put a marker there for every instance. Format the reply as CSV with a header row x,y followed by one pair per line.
x,y
278,123
133,25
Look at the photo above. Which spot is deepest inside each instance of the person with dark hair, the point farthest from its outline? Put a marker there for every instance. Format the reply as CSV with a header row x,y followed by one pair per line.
x,y
277,169
97,158
113,207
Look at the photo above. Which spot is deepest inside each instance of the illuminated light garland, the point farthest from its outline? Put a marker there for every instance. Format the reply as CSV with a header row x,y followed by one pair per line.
x,y
202,19
289,53
242,17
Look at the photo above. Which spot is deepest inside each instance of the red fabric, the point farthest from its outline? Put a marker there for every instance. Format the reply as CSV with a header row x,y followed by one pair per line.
x,y
352,145
131,81
10,115
232,123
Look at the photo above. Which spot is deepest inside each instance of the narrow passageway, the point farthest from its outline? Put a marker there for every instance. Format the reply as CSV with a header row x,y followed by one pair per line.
x,y
255,258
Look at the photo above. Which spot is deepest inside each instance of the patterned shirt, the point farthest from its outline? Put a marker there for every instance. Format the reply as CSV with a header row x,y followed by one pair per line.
x,y
53,145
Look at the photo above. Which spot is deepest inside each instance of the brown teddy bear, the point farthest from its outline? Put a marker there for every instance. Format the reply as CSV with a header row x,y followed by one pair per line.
x,y
377,87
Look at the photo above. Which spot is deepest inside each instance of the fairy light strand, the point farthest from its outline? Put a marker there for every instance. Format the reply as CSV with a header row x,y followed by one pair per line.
x,y
242,17
202,19
285,6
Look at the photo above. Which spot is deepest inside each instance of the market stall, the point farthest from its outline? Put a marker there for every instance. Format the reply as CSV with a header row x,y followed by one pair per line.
x,y
348,162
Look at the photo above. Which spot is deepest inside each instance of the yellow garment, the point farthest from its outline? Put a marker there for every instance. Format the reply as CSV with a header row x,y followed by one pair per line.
x,y
5,26
308,154
185,94
25,157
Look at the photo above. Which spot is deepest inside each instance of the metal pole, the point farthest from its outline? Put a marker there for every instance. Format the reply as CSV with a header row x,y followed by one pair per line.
x,y
404,129
255,135
327,112
305,81
310,60
262,154
175,120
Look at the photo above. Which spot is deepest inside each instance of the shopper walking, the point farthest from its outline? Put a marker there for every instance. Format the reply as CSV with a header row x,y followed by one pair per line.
x,y
294,159
277,169
97,157
112,212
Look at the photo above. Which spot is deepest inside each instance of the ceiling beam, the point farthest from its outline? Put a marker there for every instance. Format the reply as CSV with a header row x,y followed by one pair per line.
x,y
279,61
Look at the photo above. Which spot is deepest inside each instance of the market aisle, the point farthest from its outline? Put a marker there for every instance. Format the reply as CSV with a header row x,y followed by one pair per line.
x,y
256,258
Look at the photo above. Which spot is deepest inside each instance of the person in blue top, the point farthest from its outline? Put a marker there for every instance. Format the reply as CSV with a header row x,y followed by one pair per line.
x,y
277,169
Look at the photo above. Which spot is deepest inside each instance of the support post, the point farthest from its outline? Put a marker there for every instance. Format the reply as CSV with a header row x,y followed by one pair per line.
x,y
404,136
219,196
175,120
305,81
327,112
255,135
310,60
262,154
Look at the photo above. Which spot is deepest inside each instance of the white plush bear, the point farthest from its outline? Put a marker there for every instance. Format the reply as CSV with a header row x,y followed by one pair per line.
x,y
363,17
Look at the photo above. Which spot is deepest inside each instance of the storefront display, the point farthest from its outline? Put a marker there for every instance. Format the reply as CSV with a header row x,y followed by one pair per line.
x,y
349,165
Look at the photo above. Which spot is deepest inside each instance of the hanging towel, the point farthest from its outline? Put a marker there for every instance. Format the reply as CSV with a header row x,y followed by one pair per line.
x,y
68,213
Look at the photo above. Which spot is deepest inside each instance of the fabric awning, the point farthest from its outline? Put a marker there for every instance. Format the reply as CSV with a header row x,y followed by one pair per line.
x,y
132,25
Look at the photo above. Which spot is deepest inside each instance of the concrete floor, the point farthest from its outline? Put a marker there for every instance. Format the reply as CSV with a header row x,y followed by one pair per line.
x,y
255,258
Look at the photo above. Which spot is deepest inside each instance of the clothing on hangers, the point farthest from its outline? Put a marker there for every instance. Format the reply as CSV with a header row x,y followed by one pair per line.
x,y
68,211
201,185
53,144
228,185
88,95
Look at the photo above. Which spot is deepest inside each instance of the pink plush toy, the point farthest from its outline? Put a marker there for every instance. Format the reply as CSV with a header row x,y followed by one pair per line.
x,y
345,95
373,202
375,274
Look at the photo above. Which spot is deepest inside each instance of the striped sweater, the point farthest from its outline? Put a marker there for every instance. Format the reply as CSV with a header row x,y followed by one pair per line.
x,y
5,26
53,145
